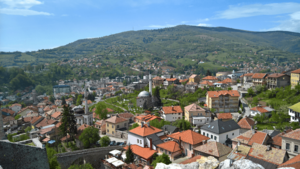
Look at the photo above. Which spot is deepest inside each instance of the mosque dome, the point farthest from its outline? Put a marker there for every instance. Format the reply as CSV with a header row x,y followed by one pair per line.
x,y
79,111
144,94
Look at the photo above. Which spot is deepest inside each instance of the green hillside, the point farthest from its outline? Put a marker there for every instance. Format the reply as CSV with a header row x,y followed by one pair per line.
x,y
169,43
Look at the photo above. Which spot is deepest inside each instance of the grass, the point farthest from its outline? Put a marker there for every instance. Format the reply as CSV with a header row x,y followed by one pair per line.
x,y
30,144
269,126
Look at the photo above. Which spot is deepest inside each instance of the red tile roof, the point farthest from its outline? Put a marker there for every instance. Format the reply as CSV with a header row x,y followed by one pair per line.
x,y
172,109
224,116
189,136
45,122
145,130
246,123
247,74
259,75
8,111
56,114
210,78
228,80
294,162
191,160
295,134
276,75
145,153
249,137
126,115
35,119
261,109
233,93
16,104
296,71
115,119
171,79
171,146
214,148
277,140
193,107
206,83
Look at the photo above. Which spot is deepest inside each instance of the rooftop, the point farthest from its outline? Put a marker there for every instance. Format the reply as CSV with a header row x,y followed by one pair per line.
x,y
115,119
214,148
295,107
172,109
296,71
246,123
294,162
171,146
224,116
210,78
262,109
233,93
295,134
258,75
189,136
145,153
249,137
191,160
193,107
220,126
145,130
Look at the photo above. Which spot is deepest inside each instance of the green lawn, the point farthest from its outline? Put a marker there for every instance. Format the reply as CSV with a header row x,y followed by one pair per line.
x,y
269,126
30,144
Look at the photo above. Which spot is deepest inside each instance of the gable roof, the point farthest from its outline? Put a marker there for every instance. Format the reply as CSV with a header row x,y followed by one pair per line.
x,y
207,83
224,116
294,162
169,128
262,109
220,126
214,148
16,104
247,74
193,76
145,130
147,118
296,71
276,75
171,146
193,107
45,122
258,75
155,139
126,115
115,119
233,93
11,112
171,79
250,137
56,114
246,123
145,153
242,152
172,109
295,134
189,136
210,78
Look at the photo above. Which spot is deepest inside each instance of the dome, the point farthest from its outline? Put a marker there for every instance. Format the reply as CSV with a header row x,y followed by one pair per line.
x,y
79,111
144,94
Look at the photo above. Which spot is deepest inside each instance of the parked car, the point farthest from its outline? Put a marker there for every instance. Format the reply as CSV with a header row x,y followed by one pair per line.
x,y
112,143
122,144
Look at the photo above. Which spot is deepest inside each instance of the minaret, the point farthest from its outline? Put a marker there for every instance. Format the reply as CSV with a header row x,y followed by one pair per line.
x,y
150,84
86,100
2,134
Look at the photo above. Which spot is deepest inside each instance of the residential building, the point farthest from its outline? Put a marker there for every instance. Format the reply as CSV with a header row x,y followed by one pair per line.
x,y
194,78
196,115
246,124
292,163
171,148
142,155
295,77
277,80
221,131
146,118
277,139
7,112
172,113
213,148
170,81
128,116
191,87
44,122
101,125
224,116
212,79
206,83
115,123
266,156
259,79
291,142
16,107
239,152
188,140
223,101
56,116
250,137
157,81
294,112
247,78
58,102
261,110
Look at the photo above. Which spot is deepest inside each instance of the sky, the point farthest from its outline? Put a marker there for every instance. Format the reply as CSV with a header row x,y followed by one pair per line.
x,y
30,25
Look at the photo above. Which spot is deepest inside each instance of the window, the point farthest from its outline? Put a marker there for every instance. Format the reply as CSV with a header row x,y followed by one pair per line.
x,y
117,126
287,146
169,152
203,133
107,130
113,132
207,135
233,134
226,136
112,126
107,124
190,147
296,148
211,136
137,140
125,124
215,137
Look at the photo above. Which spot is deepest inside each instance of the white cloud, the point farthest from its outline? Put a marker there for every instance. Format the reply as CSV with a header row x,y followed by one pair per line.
x,y
21,7
259,9
161,26
204,24
292,24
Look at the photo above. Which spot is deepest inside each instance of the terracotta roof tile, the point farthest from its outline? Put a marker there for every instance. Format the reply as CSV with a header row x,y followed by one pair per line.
x,y
296,71
147,118
193,107
171,146
295,134
246,123
247,74
214,148
233,93
145,153
189,136
249,137
276,75
210,78
8,111
294,162
261,109
126,115
224,116
171,79
206,83
145,130
191,160
172,109
35,119
16,104
56,114
45,122
258,75
115,120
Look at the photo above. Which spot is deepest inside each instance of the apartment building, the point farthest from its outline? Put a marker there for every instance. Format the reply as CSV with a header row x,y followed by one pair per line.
x,y
259,79
291,142
223,101
196,115
295,77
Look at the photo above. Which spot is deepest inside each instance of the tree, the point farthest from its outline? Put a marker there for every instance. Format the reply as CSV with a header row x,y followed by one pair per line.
x,y
164,158
89,136
182,124
83,166
51,99
229,88
208,73
52,158
68,125
260,118
250,92
134,126
63,101
255,101
129,155
101,110
78,101
17,117
159,124
156,94
104,141
27,129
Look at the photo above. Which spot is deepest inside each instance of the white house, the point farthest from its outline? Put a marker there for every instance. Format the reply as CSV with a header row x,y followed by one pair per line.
x,y
261,110
16,107
172,113
221,131
294,112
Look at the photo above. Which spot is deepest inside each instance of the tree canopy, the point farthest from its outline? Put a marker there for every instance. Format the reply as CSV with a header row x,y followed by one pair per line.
x,y
68,125
104,141
89,136
164,158
129,155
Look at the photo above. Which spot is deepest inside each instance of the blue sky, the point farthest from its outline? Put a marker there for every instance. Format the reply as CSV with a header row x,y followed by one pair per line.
x,y
28,25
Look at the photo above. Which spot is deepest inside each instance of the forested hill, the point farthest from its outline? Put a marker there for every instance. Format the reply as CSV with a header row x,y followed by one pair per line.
x,y
180,42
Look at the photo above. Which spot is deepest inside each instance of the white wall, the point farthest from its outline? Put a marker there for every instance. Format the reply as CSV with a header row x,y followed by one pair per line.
x,y
172,117
132,139
222,137
16,109
292,114
201,120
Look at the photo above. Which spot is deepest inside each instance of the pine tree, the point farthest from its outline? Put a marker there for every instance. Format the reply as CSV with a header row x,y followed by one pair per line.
x,y
68,125
129,155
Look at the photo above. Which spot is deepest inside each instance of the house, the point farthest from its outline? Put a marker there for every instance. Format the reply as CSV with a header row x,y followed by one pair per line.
x,y
171,148
212,79
206,83
128,116
138,135
188,140
294,112
261,110
224,116
115,123
223,101
170,81
266,156
80,129
213,148
16,107
250,137
221,131
277,140
8,112
33,120
172,113
291,142
146,118
277,80
295,77
239,152
142,155
44,122
191,87
56,116
196,115
247,78
246,124
157,81
259,79
58,102
194,78
293,163
101,125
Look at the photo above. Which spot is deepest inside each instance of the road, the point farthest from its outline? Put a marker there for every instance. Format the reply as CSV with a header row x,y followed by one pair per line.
x,y
114,138
246,107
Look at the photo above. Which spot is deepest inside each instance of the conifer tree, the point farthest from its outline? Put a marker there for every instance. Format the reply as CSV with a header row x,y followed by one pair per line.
x,y
129,155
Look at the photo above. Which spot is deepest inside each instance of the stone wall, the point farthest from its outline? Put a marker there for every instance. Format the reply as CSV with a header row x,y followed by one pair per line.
x,y
20,156
121,134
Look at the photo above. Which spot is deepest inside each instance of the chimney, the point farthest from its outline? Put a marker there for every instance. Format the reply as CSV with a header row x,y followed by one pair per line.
x,y
172,108
150,143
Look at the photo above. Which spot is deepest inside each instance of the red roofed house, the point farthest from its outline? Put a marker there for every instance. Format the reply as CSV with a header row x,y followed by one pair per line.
x,y
172,113
189,140
171,148
223,101
291,142
294,163
259,79
194,78
250,137
145,118
247,78
15,107
170,81
224,116
206,83
261,110
212,79
144,155
278,80
115,123
196,115
157,81
56,116
213,148
246,124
